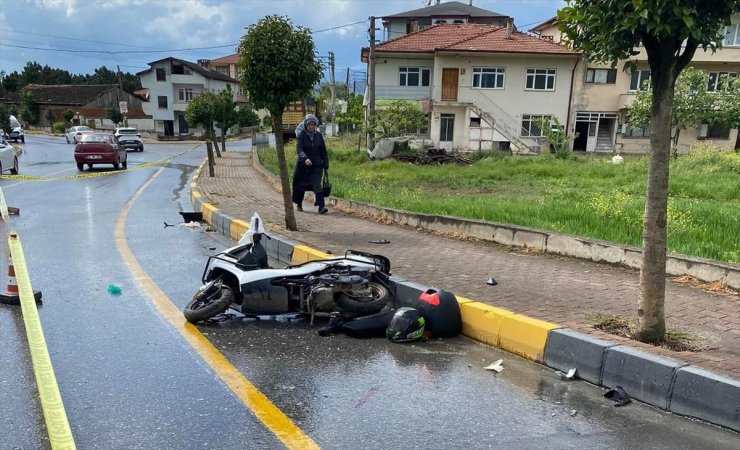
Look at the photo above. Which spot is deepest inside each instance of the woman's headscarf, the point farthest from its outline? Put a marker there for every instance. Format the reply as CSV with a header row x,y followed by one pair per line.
x,y
303,125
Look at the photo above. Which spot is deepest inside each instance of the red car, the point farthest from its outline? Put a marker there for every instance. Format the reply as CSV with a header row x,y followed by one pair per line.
x,y
100,148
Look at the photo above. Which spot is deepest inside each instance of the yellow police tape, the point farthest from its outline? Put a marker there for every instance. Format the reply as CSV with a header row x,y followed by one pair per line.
x,y
57,425
158,162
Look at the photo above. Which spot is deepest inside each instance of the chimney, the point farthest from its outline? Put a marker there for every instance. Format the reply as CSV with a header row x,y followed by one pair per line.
x,y
509,27
204,62
470,3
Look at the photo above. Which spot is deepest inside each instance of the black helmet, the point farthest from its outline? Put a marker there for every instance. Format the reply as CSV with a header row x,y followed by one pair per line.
x,y
407,325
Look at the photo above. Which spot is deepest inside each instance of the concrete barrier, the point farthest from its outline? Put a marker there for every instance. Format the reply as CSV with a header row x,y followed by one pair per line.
x,y
567,349
706,395
646,377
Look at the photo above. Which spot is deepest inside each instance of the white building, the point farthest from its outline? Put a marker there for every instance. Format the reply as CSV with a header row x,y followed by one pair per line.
x,y
172,84
485,86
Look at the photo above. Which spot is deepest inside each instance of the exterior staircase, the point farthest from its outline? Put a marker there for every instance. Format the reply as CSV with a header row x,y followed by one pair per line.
x,y
604,140
508,126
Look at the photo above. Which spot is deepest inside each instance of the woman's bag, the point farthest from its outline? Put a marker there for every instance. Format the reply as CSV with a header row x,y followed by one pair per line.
x,y
326,184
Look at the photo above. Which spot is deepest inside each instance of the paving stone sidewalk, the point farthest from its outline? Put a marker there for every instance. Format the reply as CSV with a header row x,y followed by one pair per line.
x,y
566,291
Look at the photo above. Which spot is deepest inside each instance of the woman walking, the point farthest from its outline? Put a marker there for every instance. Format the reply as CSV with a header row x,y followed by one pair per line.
x,y
312,162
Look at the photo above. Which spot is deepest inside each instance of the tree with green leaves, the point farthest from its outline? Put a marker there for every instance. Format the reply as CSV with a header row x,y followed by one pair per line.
x,y
201,112
68,115
399,118
29,108
693,104
670,32
556,136
278,65
246,117
226,114
355,116
4,118
114,114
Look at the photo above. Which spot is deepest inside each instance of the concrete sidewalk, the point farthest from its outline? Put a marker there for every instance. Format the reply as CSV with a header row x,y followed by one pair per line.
x,y
565,291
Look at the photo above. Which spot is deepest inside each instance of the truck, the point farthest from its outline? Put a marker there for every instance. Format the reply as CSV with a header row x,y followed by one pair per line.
x,y
294,114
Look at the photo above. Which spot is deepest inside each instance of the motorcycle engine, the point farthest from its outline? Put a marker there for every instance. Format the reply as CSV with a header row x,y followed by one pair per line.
x,y
323,298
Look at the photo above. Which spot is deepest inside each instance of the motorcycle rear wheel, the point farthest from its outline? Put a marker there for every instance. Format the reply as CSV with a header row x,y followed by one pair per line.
x,y
366,305
206,304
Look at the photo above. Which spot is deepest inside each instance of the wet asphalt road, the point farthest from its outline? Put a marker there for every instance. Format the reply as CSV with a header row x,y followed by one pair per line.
x,y
129,381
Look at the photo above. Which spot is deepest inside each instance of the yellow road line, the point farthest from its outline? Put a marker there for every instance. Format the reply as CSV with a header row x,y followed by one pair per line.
x,y
269,414
57,425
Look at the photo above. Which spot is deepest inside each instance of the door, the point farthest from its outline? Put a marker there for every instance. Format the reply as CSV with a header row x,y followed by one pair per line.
x,y
182,124
449,84
169,127
446,129
581,141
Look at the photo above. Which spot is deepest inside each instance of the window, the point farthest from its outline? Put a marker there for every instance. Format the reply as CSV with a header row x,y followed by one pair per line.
x,y
162,102
161,75
601,76
541,79
488,77
719,81
446,127
639,80
223,70
716,131
732,35
632,131
181,70
414,76
530,125
185,94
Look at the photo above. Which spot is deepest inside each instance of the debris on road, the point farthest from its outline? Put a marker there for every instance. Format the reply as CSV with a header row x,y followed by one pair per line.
x,y
618,395
114,289
496,366
492,282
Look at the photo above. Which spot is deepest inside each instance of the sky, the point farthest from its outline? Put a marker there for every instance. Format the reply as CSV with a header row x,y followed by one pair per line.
x,y
82,35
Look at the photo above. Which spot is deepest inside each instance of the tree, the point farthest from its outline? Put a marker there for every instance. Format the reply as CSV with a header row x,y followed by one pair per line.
x,y
693,104
226,113
68,115
670,33
50,117
401,117
555,134
29,108
202,112
114,114
355,115
246,117
279,65
4,118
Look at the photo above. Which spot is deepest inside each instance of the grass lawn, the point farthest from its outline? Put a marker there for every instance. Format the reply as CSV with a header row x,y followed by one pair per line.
x,y
586,196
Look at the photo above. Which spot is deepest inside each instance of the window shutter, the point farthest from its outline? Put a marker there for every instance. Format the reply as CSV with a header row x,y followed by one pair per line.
x,y
611,76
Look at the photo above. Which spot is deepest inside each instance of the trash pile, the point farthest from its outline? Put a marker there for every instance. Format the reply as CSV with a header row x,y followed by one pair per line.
x,y
437,156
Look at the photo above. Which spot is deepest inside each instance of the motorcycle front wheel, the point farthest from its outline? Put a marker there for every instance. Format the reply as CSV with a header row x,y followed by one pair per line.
x,y
208,302
366,305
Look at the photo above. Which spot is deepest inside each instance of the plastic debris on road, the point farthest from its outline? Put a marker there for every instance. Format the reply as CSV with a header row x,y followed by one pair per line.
x,y
496,366
618,395
491,282
114,290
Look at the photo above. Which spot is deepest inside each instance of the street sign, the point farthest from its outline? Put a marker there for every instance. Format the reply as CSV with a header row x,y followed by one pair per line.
x,y
123,106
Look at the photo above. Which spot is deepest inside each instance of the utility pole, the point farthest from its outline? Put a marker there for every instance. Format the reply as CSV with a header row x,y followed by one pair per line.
x,y
371,85
333,84
347,85
119,92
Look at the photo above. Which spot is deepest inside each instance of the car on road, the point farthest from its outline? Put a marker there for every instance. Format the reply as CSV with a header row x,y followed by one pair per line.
x,y
130,138
8,157
16,131
100,148
74,133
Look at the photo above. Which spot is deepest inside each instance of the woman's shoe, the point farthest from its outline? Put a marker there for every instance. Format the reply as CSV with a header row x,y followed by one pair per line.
x,y
323,210
299,207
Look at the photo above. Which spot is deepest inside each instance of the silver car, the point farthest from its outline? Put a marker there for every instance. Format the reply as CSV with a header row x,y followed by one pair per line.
x,y
8,157
74,134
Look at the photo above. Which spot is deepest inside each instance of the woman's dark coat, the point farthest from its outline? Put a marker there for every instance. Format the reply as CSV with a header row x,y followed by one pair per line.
x,y
315,150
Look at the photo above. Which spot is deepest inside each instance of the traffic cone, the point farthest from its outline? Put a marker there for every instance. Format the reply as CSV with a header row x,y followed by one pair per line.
x,y
11,295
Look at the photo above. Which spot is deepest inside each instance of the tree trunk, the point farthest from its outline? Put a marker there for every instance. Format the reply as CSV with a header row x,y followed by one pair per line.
x,y
651,314
214,139
277,127
223,140
209,150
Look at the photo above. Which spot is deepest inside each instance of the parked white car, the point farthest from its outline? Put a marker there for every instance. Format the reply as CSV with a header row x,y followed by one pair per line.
x,y
129,138
8,157
74,134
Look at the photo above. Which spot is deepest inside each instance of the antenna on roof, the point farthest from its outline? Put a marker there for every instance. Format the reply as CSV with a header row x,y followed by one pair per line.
x,y
426,2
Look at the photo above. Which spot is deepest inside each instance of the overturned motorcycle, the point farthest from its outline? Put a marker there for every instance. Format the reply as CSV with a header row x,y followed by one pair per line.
x,y
240,278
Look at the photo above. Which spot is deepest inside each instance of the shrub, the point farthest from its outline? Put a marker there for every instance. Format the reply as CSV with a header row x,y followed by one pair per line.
x,y
59,127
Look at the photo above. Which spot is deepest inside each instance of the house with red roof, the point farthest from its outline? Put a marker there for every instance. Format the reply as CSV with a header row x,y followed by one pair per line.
x,y
485,87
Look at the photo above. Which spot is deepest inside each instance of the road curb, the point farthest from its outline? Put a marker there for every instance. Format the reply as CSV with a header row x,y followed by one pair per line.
x,y
667,384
